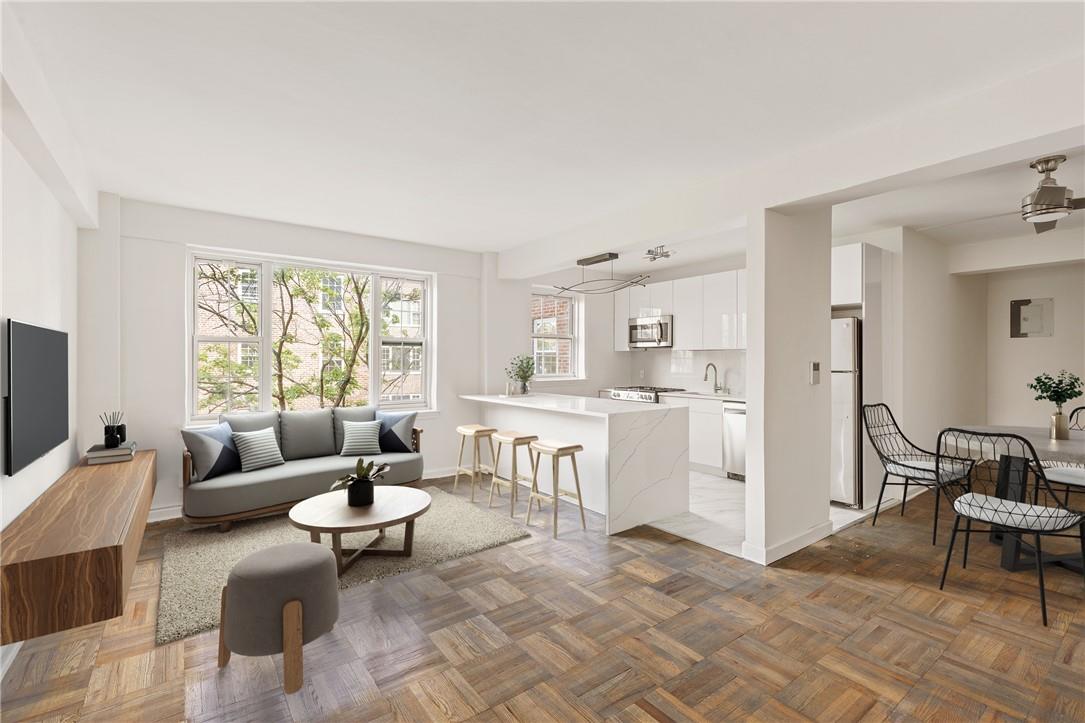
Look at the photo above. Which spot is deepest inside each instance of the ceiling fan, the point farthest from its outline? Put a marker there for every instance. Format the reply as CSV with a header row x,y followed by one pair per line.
x,y
1049,202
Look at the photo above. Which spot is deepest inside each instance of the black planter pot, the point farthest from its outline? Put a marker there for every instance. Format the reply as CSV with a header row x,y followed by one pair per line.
x,y
360,494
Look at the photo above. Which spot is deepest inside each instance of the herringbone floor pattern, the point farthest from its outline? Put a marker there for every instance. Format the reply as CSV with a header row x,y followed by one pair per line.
x,y
641,626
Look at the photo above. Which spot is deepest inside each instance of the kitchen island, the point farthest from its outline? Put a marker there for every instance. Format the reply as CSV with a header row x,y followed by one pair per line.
x,y
635,465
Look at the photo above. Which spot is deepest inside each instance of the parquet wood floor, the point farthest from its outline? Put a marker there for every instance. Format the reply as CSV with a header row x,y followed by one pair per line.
x,y
642,626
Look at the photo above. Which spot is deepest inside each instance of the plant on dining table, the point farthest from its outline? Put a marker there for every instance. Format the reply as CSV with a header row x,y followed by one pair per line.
x,y
1057,389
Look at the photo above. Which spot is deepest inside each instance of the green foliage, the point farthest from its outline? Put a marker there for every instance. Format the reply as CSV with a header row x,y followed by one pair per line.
x,y
362,471
1058,389
521,368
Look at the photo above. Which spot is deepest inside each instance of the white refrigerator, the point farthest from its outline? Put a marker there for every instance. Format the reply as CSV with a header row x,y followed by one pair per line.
x,y
846,368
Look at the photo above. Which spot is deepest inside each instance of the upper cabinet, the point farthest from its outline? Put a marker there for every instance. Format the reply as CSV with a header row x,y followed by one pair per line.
x,y
661,298
709,311
720,311
638,302
740,316
621,320
689,307
846,287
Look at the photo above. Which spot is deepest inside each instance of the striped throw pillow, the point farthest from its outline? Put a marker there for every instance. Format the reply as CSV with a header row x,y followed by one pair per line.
x,y
361,438
258,449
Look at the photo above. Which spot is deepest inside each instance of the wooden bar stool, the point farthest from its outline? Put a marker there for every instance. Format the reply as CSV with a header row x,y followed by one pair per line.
x,y
516,440
556,450
476,432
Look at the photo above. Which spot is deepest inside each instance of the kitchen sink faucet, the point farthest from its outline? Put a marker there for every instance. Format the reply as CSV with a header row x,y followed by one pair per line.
x,y
716,388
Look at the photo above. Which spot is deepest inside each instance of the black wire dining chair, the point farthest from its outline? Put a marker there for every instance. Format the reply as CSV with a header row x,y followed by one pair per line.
x,y
1007,490
900,457
1077,419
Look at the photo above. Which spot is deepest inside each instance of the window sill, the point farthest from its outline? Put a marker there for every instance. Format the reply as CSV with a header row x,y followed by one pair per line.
x,y
545,380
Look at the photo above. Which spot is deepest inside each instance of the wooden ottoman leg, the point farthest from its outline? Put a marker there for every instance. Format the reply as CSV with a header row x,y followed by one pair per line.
x,y
292,637
224,652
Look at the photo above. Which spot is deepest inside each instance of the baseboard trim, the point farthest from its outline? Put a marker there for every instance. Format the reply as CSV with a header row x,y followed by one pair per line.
x,y
162,514
437,473
767,556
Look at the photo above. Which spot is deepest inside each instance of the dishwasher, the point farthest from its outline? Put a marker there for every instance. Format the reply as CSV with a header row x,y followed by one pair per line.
x,y
734,440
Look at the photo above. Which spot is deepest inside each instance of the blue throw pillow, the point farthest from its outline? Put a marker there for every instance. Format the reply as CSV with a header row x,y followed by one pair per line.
x,y
396,430
213,450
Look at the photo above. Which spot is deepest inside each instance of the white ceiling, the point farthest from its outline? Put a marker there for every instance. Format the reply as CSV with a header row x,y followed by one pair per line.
x,y
965,209
484,126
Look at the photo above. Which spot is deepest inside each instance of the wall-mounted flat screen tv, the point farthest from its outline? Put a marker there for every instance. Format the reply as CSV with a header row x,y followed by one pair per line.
x,y
36,385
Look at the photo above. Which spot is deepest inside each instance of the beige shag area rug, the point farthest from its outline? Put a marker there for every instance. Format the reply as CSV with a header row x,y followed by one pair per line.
x,y
197,560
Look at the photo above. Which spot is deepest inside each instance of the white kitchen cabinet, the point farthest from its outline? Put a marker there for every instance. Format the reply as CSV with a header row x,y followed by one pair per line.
x,y
621,320
846,284
706,433
720,311
661,298
638,302
740,315
689,313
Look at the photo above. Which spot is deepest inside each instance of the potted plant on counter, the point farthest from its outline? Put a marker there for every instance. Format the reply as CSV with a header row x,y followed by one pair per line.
x,y
520,371
359,486
1058,390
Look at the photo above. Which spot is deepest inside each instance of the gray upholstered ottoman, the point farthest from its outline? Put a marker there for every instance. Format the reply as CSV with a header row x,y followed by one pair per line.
x,y
276,600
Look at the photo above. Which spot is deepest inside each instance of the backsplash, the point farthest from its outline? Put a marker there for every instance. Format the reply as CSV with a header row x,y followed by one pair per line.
x,y
686,369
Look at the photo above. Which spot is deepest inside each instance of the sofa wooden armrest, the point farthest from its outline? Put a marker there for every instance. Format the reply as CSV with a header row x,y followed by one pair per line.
x,y
186,468
416,439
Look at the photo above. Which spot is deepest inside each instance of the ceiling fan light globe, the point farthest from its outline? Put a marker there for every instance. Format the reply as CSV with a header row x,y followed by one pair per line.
x,y
1044,216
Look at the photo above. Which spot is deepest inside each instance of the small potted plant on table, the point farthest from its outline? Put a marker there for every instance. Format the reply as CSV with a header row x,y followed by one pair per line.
x,y
359,486
520,371
1059,390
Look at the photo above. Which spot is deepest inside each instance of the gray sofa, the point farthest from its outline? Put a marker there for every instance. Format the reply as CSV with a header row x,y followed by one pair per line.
x,y
310,442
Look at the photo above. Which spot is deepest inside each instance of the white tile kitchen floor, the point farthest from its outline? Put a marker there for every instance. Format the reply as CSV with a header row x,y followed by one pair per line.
x,y
717,514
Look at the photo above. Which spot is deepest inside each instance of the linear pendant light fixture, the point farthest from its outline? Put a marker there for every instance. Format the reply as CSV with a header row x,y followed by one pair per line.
x,y
601,285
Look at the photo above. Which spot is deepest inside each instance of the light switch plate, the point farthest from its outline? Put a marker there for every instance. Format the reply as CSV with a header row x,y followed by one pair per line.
x,y
815,372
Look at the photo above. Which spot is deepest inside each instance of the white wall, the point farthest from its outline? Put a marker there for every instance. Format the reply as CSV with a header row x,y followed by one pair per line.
x,y
943,362
1012,363
686,369
39,281
787,418
153,242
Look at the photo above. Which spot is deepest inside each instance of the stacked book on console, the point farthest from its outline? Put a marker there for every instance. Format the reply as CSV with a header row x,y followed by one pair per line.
x,y
100,454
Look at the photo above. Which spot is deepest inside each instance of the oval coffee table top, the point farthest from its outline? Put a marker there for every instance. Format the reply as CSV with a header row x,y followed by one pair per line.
x,y
330,512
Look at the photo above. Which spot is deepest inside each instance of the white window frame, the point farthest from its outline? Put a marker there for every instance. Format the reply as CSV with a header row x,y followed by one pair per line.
x,y
266,267
198,338
575,337
422,341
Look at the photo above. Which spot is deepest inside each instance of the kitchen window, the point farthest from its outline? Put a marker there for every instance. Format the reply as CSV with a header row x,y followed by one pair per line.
x,y
274,335
555,337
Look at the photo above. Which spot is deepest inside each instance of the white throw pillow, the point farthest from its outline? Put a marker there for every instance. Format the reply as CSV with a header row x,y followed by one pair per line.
x,y
361,438
258,449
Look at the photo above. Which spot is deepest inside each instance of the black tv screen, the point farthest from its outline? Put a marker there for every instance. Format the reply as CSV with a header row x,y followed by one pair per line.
x,y
36,405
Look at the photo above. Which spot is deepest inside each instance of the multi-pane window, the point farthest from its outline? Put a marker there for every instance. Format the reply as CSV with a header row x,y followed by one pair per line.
x,y
300,337
331,293
553,335
402,340
227,338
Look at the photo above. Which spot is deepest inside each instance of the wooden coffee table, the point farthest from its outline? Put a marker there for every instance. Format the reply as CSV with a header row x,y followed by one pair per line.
x,y
330,513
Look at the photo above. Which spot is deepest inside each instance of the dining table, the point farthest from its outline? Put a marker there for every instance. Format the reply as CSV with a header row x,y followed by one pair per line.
x,y
1066,451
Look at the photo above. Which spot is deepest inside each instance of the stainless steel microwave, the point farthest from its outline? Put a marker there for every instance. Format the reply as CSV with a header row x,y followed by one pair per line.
x,y
651,332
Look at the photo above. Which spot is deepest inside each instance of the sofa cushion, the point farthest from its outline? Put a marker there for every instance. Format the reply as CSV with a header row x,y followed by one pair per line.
x,y
296,480
361,438
252,421
350,414
307,433
257,449
213,450
396,430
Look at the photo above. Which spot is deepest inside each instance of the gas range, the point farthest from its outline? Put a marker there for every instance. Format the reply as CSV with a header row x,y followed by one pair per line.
x,y
648,395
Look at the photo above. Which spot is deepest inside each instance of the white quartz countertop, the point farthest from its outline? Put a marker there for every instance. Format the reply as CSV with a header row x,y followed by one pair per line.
x,y
587,406
704,395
